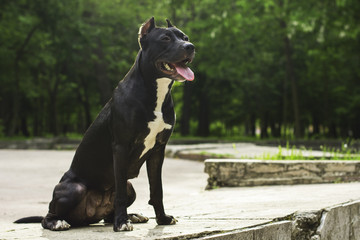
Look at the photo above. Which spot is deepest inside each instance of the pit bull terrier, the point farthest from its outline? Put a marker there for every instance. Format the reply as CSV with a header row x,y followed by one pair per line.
x,y
132,128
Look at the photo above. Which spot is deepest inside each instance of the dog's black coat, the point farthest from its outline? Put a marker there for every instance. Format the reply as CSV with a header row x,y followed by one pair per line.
x,y
112,151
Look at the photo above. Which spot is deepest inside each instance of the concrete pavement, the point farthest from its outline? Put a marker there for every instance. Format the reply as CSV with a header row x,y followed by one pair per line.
x,y
27,178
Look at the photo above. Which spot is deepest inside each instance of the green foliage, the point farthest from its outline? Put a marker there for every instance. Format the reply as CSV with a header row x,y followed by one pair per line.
x,y
257,62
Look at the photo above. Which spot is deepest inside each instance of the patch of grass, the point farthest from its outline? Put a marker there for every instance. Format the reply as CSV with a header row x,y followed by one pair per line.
x,y
74,136
291,153
14,138
177,137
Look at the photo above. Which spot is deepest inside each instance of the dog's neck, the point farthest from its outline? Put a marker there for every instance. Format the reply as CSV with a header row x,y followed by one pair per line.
x,y
147,68
152,81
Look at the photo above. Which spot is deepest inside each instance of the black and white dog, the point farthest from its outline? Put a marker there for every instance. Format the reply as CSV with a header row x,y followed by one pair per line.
x,y
132,128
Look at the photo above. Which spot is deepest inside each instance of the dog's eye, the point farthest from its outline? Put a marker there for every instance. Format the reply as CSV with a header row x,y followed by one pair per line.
x,y
186,38
166,38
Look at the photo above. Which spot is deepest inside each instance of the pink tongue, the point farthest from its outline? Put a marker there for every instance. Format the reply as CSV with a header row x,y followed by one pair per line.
x,y
185,72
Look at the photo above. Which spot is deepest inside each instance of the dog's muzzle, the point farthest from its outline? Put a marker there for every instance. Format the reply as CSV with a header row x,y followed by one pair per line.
x,y
179,70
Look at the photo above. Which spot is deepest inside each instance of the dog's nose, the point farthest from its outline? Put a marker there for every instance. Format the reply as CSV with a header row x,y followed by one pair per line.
x,y
189,47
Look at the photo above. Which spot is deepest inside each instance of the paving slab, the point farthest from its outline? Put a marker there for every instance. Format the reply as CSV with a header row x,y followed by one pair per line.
x,y
27,178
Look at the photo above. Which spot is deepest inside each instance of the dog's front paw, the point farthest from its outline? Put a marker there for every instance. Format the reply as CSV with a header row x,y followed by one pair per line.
x,y
166,220
126,226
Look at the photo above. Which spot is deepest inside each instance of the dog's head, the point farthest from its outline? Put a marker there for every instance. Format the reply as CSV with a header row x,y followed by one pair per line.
x,y
168,49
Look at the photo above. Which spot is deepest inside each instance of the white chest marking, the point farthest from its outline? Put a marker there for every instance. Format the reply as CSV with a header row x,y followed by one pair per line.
x,y
157,125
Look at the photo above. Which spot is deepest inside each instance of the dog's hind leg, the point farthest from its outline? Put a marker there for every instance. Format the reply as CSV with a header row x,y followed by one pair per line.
x,y
67,195
133,217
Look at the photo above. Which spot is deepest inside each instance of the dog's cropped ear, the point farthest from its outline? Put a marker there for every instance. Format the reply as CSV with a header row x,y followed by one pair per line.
x,y
169,23
145,28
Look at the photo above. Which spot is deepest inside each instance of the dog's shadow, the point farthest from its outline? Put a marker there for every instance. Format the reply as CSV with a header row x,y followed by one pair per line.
x,y
101,230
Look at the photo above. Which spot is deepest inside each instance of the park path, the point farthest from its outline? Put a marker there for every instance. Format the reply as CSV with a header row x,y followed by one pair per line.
x,y
27,178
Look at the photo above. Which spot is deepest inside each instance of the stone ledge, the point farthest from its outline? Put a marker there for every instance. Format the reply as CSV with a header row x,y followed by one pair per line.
x,y
278,230
333,223
239,173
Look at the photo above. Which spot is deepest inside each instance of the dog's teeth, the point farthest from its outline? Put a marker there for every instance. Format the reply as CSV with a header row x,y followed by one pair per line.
x,y
167,67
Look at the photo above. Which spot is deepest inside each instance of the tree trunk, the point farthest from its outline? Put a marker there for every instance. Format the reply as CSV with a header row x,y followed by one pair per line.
x,y
285,106
290,75
24,128
53,113
84,100
16,100
316,125
186,110
250,125
16,97
264,126
36,121
203,117
275,129
356,126
53,91
332,130
101,76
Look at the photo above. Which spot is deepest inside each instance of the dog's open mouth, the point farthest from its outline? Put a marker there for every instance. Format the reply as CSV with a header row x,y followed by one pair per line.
x,y
179,70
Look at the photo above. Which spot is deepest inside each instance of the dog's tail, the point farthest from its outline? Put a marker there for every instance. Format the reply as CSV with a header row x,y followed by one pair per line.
x,y
32,219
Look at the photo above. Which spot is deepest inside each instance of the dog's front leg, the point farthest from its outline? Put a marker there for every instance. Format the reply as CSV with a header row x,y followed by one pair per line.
x,y
154,167
120,158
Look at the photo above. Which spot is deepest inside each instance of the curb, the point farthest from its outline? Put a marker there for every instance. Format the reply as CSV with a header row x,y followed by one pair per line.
x,y
333,223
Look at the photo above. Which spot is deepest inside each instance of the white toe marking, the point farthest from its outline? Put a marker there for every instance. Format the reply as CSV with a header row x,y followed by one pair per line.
x,y
127,227
61,225
173,221
65,224
158,124
58,224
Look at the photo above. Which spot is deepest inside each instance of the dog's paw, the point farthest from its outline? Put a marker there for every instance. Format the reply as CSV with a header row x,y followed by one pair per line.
x,y
166,220
59,225
137,218
127,226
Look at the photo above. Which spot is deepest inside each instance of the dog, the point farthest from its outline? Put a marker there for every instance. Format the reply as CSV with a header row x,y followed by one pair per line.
x,y
132,128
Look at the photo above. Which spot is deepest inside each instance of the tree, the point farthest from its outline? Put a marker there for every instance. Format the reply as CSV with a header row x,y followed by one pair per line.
x,y
275,65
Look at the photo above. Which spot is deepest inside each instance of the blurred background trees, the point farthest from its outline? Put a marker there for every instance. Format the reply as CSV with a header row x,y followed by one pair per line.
x,y
270,68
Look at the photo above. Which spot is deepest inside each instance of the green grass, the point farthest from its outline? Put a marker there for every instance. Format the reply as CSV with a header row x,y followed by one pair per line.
x,y
14,138
344,153
177,136
74,136
292,153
